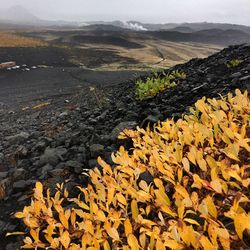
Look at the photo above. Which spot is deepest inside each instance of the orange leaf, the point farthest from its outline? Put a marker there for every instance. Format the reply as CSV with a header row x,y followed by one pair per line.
x,y
112,232
133,242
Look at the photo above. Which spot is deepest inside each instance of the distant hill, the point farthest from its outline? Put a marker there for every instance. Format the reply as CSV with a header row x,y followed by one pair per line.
x,y
213,36
19,17
18,14
183,29
186,27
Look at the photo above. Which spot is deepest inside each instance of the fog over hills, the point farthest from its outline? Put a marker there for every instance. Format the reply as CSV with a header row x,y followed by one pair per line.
x,y
19,15
203,32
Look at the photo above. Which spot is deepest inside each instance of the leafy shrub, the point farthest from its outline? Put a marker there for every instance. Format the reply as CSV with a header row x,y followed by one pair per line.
x,y
157,83
234,63
195,194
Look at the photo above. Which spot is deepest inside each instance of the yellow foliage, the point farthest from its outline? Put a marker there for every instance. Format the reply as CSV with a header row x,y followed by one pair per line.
x,y
12,39
198,198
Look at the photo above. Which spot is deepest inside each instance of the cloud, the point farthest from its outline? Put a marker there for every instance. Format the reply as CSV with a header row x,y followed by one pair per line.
x,y
233,11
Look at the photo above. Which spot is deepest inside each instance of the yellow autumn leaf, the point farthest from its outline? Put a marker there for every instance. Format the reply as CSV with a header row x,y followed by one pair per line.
x,y
128,227
191,221
63,220
41,105
206,243
200,105
19,215
202,164
181,209
241,222
161,197
35,234
159,245
15,233
111,193
182,191
186,165
133,242
38,191
232,151
65,239
211,206
211,162
113,233
216,185
121,199
134,209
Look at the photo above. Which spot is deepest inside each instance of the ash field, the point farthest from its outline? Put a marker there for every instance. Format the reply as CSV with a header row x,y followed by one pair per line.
x,y
60,61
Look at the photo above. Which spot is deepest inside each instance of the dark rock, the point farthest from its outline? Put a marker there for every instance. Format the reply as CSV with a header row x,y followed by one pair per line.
x,y
63,114
120,127
2,225
70,186
149,121
44,171
96,150
19,174
57,172
3,175
236,75
18,138
92,163
245,78
146,176
52,156
13,246
22,151
41,145
20,185
75,165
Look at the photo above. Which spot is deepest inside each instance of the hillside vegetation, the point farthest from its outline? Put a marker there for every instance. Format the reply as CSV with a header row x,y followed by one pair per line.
x,y
10,40
182,185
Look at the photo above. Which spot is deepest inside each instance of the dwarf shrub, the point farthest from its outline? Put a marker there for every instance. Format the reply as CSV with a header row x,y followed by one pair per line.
x,y
197,196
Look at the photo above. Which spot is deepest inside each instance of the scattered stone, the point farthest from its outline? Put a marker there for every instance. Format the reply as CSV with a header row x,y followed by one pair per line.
x,y
63,141
57,172
75,165
236,75
52,156
146,176
18,138
22,151
19,174
120,127
245,78
3,175
96,150
20,185
149,120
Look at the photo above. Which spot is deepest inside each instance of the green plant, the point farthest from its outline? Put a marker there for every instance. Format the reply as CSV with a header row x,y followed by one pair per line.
x,y
157,83
234,63
197,196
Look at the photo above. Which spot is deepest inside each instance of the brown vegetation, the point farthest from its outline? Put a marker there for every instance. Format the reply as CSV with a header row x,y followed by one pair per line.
x,y
10,39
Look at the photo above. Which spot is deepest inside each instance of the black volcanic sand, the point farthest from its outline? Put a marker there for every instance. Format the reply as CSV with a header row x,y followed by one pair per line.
x,y
19,88
61,141
64,56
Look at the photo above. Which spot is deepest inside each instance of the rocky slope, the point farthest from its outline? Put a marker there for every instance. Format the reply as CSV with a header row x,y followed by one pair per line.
x,y
61,141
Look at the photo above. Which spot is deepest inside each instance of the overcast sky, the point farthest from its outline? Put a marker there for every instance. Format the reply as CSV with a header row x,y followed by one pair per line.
x,y
157,11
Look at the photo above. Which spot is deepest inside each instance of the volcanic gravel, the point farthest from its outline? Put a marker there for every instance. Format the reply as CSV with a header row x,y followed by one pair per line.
x,y
60,142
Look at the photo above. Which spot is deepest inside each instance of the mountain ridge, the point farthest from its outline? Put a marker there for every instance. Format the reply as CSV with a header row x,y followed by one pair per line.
x,y
17,14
